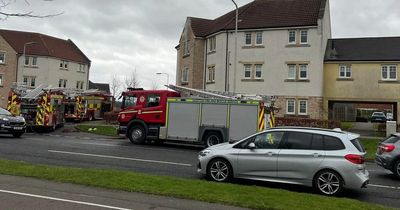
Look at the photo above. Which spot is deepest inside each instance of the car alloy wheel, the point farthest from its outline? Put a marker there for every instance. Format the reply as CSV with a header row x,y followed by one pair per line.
x,y
397,169
219,171
328,183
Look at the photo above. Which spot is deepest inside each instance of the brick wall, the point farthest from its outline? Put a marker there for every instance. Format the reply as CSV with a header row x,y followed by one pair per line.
x,y
8,70
314,107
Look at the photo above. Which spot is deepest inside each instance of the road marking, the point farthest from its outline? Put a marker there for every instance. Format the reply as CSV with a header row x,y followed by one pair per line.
x,y
63,200
383,186
120,158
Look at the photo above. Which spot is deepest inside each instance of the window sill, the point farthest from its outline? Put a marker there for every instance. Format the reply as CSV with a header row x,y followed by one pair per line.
x,y
3,64
253,46
298,45
186,55
297,115
297,80
64,69
32,67
209,83
82,72
344,79
389,81
184,83
211,52
252,80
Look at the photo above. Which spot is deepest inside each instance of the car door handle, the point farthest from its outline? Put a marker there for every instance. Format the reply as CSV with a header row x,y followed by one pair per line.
x,y
316,155
270,153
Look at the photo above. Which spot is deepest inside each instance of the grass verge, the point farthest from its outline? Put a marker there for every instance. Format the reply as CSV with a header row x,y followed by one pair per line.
x,y
107,130
370,144
238,195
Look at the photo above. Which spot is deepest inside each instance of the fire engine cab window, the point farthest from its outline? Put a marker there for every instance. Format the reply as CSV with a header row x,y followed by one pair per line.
x,y
153,100
130,101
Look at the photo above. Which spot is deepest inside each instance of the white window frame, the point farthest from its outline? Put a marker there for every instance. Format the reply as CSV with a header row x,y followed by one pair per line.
x,y
64,64
34,61
301,70
29,80
247,70
345,69
3,61
261,37
185,71
34,82
299,106
23,80
295,37
301,36
212,44
211,74
294,71
255,71
62,83
1,79
294,106
245,39
82,68
27,58
388,70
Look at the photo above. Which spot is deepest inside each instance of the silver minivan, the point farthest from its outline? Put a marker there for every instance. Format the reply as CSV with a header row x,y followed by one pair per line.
x,y
328,160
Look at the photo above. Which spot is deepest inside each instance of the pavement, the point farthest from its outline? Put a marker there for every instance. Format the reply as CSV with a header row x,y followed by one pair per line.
x,y
90,151
27,193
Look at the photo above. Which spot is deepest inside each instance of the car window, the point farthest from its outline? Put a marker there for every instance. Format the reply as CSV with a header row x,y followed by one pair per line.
x,y
153,100
391,140
317,142
358,145
332,143
4,112
298,140
130,100
269,140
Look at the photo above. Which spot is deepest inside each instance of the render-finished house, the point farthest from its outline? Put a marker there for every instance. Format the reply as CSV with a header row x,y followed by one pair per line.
x,y
361,76
32,59
105,87
280,52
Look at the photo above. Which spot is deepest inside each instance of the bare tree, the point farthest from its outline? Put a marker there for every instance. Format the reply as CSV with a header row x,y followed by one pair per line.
x,y
29,14
132,80
115,86
154,85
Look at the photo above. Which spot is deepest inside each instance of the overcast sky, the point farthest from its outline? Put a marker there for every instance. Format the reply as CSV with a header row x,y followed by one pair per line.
x,y
120,36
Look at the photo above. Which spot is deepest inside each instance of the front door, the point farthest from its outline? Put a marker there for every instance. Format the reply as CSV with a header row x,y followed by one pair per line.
x,y
261,161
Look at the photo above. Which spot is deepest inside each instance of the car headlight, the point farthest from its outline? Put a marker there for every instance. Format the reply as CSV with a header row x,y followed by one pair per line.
x,y
5,119
204,152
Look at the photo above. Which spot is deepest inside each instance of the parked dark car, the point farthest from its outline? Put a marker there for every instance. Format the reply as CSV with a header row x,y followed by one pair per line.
x,y
378,117
388,154
10,124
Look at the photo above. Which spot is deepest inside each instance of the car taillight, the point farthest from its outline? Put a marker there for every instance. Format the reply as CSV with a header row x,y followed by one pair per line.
x,y
387,147
356,159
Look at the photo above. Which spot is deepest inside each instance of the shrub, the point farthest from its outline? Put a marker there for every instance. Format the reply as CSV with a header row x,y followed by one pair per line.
x,y
305,122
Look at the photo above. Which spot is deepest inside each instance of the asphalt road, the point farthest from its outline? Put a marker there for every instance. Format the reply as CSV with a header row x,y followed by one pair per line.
x,y
89,151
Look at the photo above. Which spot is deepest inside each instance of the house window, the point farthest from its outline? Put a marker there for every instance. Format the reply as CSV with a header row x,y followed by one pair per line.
x,y
186,47
185,75
303,37
79,85
292,37
292,71
62,83
211,74
302,107
303,71
247,38
345,71
212,43
34,61
389,72
25,81
290,106
258,71
259,40
26,61
247,71
2,58
81,68
33,82
1,80
64,64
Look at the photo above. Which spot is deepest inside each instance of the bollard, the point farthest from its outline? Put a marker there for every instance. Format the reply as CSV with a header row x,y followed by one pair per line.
x,y
391,128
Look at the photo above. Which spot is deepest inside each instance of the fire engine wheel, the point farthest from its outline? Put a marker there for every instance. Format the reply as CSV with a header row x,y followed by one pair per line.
x,y
137,134
212,138
91,118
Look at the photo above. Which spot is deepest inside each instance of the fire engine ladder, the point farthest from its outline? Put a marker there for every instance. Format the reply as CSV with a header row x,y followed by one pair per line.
x,y
268,100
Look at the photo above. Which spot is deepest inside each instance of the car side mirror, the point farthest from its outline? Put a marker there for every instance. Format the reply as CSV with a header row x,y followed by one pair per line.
x,y
251,146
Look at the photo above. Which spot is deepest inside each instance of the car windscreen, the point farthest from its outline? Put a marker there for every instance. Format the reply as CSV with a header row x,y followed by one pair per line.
x,y
5,112
358,145
391,139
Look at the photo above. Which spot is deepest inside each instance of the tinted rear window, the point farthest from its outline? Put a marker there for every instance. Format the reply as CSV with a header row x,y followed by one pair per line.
x,y
332,143
317,142
297,140
391,140
358,145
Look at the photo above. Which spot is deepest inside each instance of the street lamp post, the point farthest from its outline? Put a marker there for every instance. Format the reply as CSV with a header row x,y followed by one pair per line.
x,y
160,73
235,55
